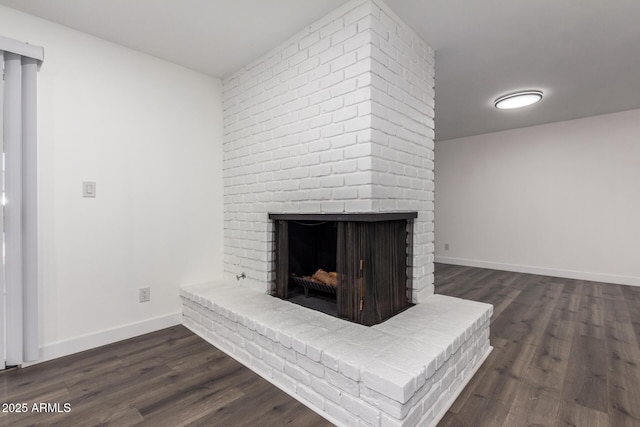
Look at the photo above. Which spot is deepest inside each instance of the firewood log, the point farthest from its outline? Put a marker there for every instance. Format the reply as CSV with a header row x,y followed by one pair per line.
x,y
322,276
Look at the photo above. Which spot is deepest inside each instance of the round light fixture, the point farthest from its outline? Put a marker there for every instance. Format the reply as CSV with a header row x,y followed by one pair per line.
x,y
518,99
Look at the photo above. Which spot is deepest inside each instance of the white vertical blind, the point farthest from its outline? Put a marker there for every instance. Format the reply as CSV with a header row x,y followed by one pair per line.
x,y
2,301
20,149
30,209
12,111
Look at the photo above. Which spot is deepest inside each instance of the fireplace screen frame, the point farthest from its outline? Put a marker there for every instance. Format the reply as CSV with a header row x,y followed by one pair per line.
x,y
374,262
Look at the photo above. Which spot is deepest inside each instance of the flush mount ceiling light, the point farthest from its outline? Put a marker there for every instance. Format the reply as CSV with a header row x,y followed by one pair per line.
x,y
518,99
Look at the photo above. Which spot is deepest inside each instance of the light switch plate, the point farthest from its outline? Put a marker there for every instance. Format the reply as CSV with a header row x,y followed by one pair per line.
x,y
88,189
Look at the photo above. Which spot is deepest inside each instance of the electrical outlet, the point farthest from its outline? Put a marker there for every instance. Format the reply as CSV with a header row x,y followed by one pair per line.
x,y
145,294
446,246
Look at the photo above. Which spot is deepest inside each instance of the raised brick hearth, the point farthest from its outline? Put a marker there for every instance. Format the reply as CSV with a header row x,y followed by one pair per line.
x,y
404,372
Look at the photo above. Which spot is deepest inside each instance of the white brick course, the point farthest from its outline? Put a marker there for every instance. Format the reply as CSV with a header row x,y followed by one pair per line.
x,y
346,105
403,372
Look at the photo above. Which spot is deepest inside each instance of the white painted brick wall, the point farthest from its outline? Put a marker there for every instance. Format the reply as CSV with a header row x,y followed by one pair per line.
x,y
337,119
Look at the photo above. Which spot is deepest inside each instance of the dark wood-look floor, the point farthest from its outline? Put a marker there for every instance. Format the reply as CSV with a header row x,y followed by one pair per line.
x,y
166,378
565,354
565,351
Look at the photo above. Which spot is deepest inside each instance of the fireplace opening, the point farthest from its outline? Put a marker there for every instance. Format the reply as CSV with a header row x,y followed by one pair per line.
x,y
353,266
312,265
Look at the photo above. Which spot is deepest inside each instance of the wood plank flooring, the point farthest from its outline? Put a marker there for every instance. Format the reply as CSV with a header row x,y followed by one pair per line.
x,y
565,351
166,378
565,354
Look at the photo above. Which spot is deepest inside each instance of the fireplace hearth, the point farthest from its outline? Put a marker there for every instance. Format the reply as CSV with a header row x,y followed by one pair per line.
x,y
353,266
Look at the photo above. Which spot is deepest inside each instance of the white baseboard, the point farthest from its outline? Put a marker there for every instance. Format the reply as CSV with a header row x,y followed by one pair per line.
x,y
104,337
553,272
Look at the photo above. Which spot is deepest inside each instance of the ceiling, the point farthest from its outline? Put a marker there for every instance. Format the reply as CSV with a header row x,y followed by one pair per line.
x,y
584,54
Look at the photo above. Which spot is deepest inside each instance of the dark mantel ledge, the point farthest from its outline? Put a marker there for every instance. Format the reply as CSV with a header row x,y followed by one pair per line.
x,y
358,217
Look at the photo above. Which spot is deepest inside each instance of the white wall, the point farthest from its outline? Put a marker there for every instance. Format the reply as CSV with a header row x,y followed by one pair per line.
x,y
559,199
150,134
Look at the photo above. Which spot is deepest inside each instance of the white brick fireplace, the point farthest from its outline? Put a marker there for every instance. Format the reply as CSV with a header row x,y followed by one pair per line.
x,y
337,119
